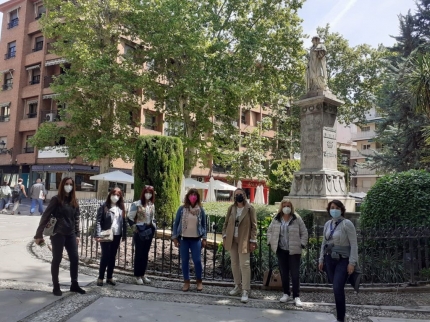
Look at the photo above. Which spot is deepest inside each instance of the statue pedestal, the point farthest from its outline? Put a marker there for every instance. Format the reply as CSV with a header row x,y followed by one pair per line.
x,y
318,180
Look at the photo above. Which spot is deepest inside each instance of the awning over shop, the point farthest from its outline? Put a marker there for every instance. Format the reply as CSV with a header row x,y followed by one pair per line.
x,y
32,67
55,62
66,167
46,97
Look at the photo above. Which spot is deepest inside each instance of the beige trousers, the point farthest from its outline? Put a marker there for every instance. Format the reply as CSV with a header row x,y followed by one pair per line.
x,y
240,266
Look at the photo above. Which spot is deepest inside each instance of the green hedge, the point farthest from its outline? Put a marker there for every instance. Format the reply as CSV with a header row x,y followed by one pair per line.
x,y
400,199
160,163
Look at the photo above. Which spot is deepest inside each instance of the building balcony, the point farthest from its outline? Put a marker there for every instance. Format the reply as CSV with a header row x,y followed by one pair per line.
x,y
6,87
363,153
367,172
4,118
10,55
35,80
363,135
13,23
28,149
50,116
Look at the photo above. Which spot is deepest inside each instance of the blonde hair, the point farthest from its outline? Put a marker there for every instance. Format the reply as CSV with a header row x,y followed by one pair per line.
x,y
281,205
245,201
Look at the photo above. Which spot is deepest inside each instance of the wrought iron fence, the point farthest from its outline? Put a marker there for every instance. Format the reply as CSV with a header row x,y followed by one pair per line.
x,y
387,257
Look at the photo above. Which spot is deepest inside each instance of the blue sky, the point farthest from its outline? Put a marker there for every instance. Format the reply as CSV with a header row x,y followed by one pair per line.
x,y
359,21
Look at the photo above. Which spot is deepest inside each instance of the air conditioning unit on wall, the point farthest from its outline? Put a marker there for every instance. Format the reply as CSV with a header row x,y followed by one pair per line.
x,y
200,179
50,117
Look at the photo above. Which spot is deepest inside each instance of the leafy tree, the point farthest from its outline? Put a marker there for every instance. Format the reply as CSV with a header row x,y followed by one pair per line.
x,y
384,205
160,163
99,82
281,178
206,59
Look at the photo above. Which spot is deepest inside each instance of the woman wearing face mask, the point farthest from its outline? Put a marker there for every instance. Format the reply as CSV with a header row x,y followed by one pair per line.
x,y
65,208
240,239
189,233
287,235
141,217
110,215
339,253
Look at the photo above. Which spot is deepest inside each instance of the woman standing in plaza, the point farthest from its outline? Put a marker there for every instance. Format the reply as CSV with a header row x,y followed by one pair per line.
x,y
64,206
189,233
287,236
240,239
339,253
110,215
141,217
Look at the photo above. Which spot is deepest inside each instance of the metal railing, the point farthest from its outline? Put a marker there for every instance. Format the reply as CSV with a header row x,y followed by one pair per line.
x,y
7,86
387,256
363,135
35,80
13,23
4,118
9,55
28,150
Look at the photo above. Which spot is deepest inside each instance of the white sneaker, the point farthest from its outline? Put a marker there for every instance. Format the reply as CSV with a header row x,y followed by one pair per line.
x,y
235,291
244,298
297,302
139,281
285,298
146,280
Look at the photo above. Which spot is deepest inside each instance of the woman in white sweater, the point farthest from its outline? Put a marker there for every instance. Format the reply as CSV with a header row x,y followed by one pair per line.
x,y
287,236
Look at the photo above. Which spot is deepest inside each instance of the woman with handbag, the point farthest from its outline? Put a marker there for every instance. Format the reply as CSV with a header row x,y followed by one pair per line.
x,y
189,234
287,236
64,207
110,227
239,235
339,253
141,217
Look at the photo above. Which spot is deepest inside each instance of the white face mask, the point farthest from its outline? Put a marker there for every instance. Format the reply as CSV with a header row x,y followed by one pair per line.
x,y
68,188
114,198
286,210
148,196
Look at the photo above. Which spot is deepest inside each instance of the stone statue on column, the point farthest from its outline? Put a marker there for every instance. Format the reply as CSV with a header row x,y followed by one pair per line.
x,y
316,72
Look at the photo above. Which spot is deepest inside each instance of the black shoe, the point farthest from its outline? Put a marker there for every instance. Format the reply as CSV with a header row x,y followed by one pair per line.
x,y
76,288
99,282
56,290
110,282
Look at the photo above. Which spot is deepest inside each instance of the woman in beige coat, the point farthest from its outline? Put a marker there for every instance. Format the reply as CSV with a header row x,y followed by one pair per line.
x,y
287,236
240,239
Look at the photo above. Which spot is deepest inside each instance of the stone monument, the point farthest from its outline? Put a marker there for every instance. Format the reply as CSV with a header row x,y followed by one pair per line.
x,y
318,181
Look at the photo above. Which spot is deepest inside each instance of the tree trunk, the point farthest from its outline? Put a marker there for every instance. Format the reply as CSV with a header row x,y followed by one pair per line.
x,y
103,186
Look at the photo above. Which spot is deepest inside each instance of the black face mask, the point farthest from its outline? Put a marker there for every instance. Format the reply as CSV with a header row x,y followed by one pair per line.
x,y
239,198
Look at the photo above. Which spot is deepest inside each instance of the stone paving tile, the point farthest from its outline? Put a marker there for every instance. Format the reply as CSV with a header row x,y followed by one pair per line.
x,y
378,319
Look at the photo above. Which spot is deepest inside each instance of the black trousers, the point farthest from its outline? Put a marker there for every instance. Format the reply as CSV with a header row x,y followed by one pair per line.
x,y
289,264
59,242
109,250
141,252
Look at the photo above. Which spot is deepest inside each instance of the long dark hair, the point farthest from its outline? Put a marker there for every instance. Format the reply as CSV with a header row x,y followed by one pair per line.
x,y
187,203
337,203
72,195
149,189
245,201
119,203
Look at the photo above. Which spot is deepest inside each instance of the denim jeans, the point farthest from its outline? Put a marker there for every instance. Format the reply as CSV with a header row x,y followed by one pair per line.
x,y
3,202
141,252
289,264
195,245
109,250
337,274
59,242
33,205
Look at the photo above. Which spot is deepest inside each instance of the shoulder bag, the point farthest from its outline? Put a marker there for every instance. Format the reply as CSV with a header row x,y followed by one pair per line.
x,y
106,235
272,279
50,226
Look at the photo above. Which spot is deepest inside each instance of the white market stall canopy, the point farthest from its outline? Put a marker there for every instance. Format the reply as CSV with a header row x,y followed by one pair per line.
x,y
114,176
191,183
219,185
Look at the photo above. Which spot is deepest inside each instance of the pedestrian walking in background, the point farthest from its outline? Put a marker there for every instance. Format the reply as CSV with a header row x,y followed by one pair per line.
x,y
37,194
240,239
189,234
17,193
287,236
339,253
141,217
65,208
110,215
5,194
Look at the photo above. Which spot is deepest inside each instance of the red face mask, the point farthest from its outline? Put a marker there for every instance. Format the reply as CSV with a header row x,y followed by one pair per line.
x,y
192,199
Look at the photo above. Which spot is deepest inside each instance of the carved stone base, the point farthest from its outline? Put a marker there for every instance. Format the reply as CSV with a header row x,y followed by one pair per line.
x,y
320,203
321,183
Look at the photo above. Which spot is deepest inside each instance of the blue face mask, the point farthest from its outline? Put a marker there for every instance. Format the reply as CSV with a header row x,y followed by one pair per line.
x,y
335,213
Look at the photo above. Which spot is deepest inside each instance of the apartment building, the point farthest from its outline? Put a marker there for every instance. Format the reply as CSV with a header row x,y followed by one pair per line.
x,y
26,101
364,137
